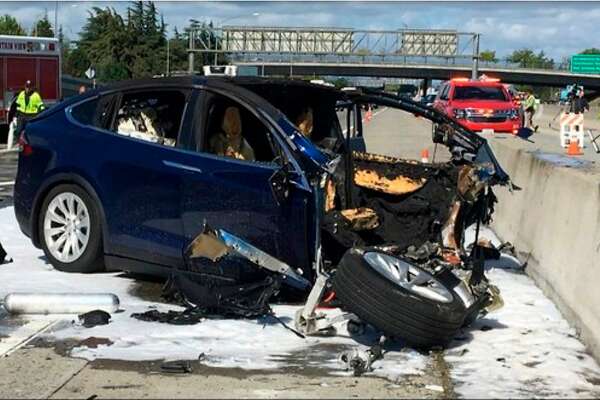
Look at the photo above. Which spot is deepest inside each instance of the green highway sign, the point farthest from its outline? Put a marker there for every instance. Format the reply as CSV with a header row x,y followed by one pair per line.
x,y
585,63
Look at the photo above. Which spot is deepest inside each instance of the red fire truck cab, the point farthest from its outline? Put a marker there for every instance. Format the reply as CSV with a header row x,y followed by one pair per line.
x,y
25,58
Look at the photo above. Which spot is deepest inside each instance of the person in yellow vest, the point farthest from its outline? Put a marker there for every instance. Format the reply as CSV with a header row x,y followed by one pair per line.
x,y
530,106
26,105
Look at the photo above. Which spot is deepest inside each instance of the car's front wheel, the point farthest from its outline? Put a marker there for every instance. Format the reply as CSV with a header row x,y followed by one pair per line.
x,y
70,231
400,298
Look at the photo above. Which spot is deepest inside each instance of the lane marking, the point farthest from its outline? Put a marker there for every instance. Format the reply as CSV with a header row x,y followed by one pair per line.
x,y
7,183
363,120
23,335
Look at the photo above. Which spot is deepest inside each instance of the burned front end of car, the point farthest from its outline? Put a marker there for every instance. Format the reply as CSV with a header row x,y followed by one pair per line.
x,y
395,245
393,234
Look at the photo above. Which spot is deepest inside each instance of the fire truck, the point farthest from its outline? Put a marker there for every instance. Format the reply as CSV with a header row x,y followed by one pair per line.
x,y
25,58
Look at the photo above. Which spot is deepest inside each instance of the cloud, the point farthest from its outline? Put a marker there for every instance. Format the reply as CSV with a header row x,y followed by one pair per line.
x,y
559,29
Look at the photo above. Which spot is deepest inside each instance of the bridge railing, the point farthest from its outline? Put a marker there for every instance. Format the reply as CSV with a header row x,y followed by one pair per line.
x,y
346,46
464,61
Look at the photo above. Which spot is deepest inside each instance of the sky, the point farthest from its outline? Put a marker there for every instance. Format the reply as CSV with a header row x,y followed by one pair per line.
x,y
560,29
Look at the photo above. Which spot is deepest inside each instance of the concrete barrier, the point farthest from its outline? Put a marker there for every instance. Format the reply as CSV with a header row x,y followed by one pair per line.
x,y
555,220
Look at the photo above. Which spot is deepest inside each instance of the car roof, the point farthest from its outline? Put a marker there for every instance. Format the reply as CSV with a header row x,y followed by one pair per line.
x,y
193,80
477,83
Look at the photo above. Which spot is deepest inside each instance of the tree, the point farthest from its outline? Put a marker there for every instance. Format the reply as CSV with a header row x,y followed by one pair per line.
x,y
103,43
591,50
146,52
526,58
42,28
488,56
10,26
133,46
340,83
178,56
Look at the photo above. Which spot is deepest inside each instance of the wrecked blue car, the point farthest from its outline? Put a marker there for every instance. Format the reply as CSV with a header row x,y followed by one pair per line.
x,y
221,179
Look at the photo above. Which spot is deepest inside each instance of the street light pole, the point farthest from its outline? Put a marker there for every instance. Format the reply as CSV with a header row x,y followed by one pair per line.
x,y
191,53
56,18
254,14
475,70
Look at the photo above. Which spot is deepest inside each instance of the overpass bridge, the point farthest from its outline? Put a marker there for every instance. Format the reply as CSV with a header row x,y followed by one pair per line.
x,y
402,53
534,77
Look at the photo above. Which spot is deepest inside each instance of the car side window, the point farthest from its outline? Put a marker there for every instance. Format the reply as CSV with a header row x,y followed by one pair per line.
x,y
152,115
95,112
230,129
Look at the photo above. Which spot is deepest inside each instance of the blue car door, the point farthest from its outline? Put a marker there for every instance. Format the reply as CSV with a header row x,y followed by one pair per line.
x,y
141,192
238,195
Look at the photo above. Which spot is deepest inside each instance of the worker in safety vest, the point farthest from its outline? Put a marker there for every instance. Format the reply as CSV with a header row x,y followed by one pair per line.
x,y
530,106
25,106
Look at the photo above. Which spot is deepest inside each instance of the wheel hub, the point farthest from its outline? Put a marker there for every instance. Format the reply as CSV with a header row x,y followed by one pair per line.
x,y
66,227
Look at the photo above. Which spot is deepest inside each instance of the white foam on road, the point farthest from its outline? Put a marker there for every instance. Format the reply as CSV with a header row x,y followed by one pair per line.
x,y
530,350
249,344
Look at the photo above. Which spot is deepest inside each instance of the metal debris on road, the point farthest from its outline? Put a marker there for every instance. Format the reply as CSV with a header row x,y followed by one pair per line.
x,y
176,367
4,259
94,318
360,361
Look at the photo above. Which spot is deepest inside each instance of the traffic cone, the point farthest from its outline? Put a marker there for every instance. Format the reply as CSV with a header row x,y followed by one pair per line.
x,y
425,156
573,149
369,115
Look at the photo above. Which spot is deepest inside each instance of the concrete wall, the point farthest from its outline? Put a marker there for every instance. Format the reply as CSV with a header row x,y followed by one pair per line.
x,y
554,220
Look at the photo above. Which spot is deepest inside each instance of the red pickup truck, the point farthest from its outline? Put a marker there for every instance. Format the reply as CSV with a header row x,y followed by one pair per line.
x,y
480,105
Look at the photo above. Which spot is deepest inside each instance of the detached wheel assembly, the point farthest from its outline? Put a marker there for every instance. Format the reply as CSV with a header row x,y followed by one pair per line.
x,y
400,298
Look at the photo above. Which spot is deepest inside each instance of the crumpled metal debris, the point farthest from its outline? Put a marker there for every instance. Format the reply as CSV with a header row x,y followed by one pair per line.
x,y
360,361
189,316
4,259
177,367
202,300
423,252
94,318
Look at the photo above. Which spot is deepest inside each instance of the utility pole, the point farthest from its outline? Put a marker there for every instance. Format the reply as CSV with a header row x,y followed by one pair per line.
x,y
56,18
216,45
191,53
475,70
168,59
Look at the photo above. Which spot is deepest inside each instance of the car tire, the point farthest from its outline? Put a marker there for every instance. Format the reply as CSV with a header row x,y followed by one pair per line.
x,y
399,313
70,230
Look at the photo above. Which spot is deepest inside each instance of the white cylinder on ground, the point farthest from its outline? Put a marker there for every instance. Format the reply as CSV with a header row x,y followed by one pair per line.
x,y
60,303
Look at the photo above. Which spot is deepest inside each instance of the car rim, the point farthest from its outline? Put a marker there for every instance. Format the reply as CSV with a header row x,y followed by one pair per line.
x,y
67,227
409,277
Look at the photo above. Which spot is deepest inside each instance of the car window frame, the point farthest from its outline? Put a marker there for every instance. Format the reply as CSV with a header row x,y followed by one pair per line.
x,y
187,91
201,99
112,97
